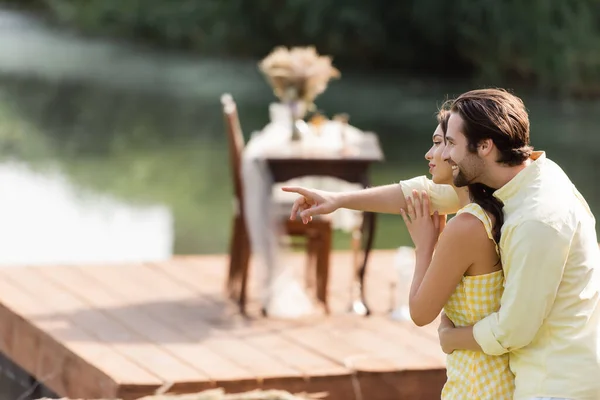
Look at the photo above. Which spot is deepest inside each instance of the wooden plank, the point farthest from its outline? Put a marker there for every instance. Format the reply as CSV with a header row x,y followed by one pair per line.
x,y
263,334
165,307
331,346
89,310
76,369
410,335
376,345
339,351
233,349
308,362
127,319
209,286
378,282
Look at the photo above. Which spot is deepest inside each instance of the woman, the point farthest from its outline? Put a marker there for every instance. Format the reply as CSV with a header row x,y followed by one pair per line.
x,y
463,276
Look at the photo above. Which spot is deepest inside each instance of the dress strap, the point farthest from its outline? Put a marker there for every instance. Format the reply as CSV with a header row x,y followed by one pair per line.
x,y
476,210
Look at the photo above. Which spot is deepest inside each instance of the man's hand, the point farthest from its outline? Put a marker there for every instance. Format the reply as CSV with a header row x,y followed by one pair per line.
x,y
313,202
445,326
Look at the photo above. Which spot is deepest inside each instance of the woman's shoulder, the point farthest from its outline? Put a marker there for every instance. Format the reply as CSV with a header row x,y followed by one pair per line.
x,y
462,241
474,211
470,223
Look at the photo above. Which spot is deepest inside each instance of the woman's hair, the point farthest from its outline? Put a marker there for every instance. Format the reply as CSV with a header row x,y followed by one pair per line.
x,y
479,193
483,195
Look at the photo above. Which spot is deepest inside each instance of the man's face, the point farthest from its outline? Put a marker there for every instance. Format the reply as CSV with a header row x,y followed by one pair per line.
x,y
467,167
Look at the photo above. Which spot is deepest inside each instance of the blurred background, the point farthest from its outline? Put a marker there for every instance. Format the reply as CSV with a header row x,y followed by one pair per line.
x,y
112,144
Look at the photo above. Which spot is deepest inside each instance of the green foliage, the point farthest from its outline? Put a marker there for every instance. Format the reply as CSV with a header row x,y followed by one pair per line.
x,y
554,45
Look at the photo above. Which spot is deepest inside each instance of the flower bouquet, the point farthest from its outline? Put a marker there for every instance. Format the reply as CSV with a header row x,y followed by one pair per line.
x,y
297,76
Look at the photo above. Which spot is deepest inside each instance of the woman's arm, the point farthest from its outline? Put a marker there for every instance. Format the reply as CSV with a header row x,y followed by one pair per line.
x,y
438,273
388,199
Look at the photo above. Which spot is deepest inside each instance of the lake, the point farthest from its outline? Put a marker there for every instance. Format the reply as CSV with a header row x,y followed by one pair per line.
x,y
113,152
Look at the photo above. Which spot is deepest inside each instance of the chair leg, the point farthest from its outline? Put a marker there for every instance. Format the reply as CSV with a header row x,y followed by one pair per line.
x,y
312,251
245,252
234,272
355,243
323,267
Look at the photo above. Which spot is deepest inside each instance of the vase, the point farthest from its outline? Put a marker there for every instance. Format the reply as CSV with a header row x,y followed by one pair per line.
x,y
298,110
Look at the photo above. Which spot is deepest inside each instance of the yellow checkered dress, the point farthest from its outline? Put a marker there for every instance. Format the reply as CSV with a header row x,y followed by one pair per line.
x,y
473,374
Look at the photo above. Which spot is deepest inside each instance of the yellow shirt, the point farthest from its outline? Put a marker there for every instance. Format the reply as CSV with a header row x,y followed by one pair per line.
x,y
550,310
443,197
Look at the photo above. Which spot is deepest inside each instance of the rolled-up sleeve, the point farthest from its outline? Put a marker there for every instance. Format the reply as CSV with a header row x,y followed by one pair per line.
x,y
534,255
443,197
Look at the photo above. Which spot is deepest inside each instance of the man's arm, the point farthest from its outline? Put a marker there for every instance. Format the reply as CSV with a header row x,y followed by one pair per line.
x,y
534,256
452,338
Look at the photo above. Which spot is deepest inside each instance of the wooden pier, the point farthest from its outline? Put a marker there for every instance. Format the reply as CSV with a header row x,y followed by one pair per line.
x,y
124,331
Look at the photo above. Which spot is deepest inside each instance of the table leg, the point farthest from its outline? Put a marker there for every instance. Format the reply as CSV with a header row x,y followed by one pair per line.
x,y
359,305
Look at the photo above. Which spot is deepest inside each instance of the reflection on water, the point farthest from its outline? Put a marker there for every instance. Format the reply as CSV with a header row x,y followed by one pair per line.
x,y
45,220
144,128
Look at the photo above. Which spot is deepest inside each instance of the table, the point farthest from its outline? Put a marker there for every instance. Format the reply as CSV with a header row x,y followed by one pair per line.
x,y
353,168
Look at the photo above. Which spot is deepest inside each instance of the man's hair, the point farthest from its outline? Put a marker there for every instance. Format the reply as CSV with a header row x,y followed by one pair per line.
x,y
478,192
497,115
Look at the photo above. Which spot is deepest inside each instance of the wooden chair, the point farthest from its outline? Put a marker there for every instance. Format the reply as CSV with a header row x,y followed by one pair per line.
x,y
317,234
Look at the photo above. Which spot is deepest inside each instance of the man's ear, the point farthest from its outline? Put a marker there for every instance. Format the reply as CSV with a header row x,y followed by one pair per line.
x,y
485,147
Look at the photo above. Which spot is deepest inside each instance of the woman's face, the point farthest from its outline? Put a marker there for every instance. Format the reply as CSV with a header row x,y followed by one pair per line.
x,y
441,171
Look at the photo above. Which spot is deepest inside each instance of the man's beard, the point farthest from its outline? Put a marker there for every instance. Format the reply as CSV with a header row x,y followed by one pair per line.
x,y
460,180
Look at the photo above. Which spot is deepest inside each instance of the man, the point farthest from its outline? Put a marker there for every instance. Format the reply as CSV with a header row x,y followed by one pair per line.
x,y
550,310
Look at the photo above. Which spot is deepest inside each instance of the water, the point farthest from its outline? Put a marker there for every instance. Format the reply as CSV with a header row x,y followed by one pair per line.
x,y
17,384
113,152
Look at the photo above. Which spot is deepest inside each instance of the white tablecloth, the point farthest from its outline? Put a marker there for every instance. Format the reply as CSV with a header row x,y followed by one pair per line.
x,y
265,205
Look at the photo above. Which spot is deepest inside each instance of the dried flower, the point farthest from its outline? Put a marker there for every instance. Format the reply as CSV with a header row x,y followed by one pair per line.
x,y
299,73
